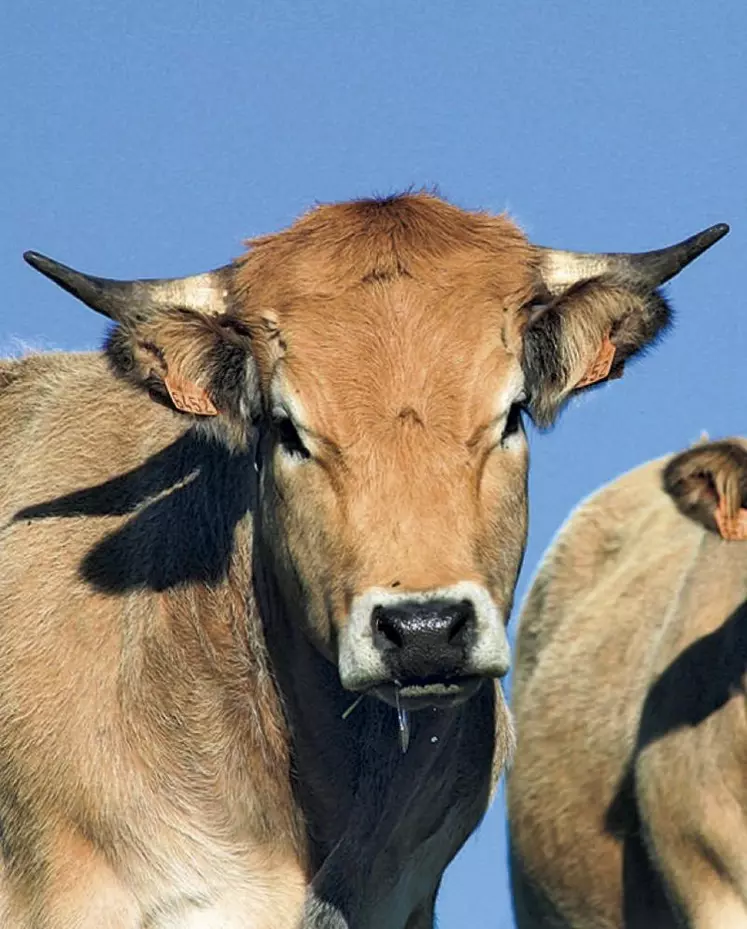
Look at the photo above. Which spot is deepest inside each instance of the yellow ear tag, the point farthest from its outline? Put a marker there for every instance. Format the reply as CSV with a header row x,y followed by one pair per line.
x,y
599,369
188,397
732,528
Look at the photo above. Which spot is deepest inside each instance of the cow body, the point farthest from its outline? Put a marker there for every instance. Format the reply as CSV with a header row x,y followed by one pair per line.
x,y
290,482
146,756
628,798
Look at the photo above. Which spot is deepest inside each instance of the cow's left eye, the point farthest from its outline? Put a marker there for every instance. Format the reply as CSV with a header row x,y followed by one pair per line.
x,y
513,422
288,437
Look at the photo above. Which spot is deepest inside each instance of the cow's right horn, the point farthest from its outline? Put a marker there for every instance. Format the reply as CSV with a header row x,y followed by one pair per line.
x,y
133,301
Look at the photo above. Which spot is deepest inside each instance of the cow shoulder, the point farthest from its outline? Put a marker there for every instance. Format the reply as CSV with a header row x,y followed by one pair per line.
x,y
81,454
588,546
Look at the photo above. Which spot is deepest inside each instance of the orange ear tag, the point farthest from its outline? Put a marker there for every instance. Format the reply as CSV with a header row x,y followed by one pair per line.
x,y
732,528
188,397
599,369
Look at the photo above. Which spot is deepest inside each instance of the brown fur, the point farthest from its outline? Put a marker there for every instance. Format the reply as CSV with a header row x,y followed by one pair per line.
x,y
627,797
171,738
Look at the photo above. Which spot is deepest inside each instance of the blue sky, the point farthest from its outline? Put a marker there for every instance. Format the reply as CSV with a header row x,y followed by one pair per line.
x,y
150,138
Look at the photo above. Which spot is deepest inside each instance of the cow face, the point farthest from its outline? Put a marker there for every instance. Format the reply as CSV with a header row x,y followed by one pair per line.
x,y
394,478
380,354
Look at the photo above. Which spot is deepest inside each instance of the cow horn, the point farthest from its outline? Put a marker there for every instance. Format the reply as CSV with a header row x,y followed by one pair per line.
x,y
560,270
133,301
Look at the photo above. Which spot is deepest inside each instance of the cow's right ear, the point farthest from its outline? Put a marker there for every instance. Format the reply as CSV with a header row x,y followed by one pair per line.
x,y
199,365
175,337
708,483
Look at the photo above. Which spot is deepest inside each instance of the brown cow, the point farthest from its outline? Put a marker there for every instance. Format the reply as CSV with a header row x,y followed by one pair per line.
x,y
287,481
628,797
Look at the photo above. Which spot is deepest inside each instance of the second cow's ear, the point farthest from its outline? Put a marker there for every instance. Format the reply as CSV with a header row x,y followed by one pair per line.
x,y
597,310
708,483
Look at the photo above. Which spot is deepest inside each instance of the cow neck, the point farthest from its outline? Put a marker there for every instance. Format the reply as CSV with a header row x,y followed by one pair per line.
x,y
349,775
323,749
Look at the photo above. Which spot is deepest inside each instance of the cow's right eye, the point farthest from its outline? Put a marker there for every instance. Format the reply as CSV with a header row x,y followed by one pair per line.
x,y
288,437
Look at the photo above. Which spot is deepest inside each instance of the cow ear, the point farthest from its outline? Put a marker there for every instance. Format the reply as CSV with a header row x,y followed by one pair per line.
x,y
708,483
176,337
200,365
583,337
599,310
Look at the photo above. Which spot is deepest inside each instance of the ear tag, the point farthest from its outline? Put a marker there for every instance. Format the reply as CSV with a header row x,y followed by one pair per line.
x,y
599,369
188,397
732,528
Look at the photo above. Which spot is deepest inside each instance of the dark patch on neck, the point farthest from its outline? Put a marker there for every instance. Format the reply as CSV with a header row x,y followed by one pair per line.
x,y
183,505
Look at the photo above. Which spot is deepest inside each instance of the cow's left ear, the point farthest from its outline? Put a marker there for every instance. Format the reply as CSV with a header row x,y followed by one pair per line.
x,y
708,483
176,338
585,337
592,313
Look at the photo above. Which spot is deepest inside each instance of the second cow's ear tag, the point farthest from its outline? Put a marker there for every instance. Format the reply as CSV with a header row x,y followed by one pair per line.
x,y
733,528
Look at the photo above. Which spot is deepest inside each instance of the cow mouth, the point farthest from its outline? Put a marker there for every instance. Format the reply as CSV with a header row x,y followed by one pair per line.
x,y
419,693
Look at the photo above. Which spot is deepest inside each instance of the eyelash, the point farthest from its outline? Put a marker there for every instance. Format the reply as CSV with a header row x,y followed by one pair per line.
x,y
288,437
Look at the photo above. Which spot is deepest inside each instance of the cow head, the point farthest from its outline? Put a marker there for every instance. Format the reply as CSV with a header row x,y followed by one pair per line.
x,y
381,355
708,483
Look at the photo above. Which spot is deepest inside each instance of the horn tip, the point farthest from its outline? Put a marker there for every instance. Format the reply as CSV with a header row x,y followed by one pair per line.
x,y
711,235
35,259
46,266
702,241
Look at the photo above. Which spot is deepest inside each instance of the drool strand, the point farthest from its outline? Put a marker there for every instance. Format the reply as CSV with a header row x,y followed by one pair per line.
x,y
403,718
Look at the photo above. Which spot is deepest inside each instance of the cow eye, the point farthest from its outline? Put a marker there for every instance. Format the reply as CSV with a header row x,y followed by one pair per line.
x,y
288,437
513,422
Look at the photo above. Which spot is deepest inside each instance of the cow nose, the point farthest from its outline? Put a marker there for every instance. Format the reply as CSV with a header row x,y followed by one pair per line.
x,y
425,638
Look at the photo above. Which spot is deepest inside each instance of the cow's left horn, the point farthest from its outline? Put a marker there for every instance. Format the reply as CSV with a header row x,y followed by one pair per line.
x,y
133,301
561,270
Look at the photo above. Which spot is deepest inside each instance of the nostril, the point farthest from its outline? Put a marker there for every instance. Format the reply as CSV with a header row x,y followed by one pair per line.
x,y
390,632
458,629
387,628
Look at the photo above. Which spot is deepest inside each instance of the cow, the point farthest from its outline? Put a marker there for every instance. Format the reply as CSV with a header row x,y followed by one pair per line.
x,y
628,794
257,560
